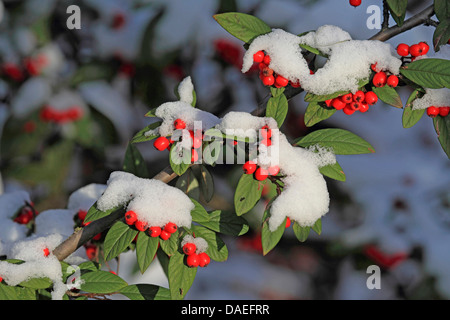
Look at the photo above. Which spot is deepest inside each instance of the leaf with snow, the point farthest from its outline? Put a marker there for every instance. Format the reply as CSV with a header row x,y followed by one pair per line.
x,y
341,141
333,171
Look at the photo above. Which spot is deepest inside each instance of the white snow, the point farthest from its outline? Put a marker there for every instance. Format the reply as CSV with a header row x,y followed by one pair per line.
x,y
433,97
200,243
153,201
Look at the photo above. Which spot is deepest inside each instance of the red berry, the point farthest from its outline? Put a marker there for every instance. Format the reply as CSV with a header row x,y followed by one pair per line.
x,y
415,50
355,105
267,59
328,102
266,132
1,279
261,174
355,3
189,248
179,124
154,231
364,107
161,143
268,81
392,81
347,98
170,227
81,214
262,66
266,71
193,260
295,84
379,79
249,167
424,47
130,217
165,235
358,96
432,111
46,252
91,251
259,56
348,109
338,104
281,81
204,259
403,49
274,170
374,67
266,142
141,225
197,141
288,222
371,97
194,156
444,111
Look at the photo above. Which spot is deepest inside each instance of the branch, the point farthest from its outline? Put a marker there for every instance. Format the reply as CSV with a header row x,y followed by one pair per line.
x,y
83,235
420,18
385,24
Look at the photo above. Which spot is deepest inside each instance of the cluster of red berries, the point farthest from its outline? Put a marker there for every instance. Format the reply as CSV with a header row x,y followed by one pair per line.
x,y
163,143
350,103
49,114
433,111
164,233
382,78
26,214
32,65
355,3
415,50
267,75
193,258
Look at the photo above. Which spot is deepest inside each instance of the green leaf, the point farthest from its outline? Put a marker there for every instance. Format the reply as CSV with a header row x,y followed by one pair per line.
x,y
411,117
206,181
389,96
145,292
275,92
301,233
141,135
37,283
442,127
277,108
224,222
16,293
428,73
180,276
398,10
441,34
317,227
94,213
217,250
189,184
134,162
333,171
170,245
91,72
179,158
102,282
316,112
145,250
270,239
442,10
340,140
117,240
243,26
247,194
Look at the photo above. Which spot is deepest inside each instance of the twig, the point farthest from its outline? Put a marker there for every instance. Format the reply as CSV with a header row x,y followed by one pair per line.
x,y
385,24
414,21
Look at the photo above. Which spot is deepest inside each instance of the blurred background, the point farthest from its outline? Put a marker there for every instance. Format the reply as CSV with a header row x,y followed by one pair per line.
x,y
71,99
